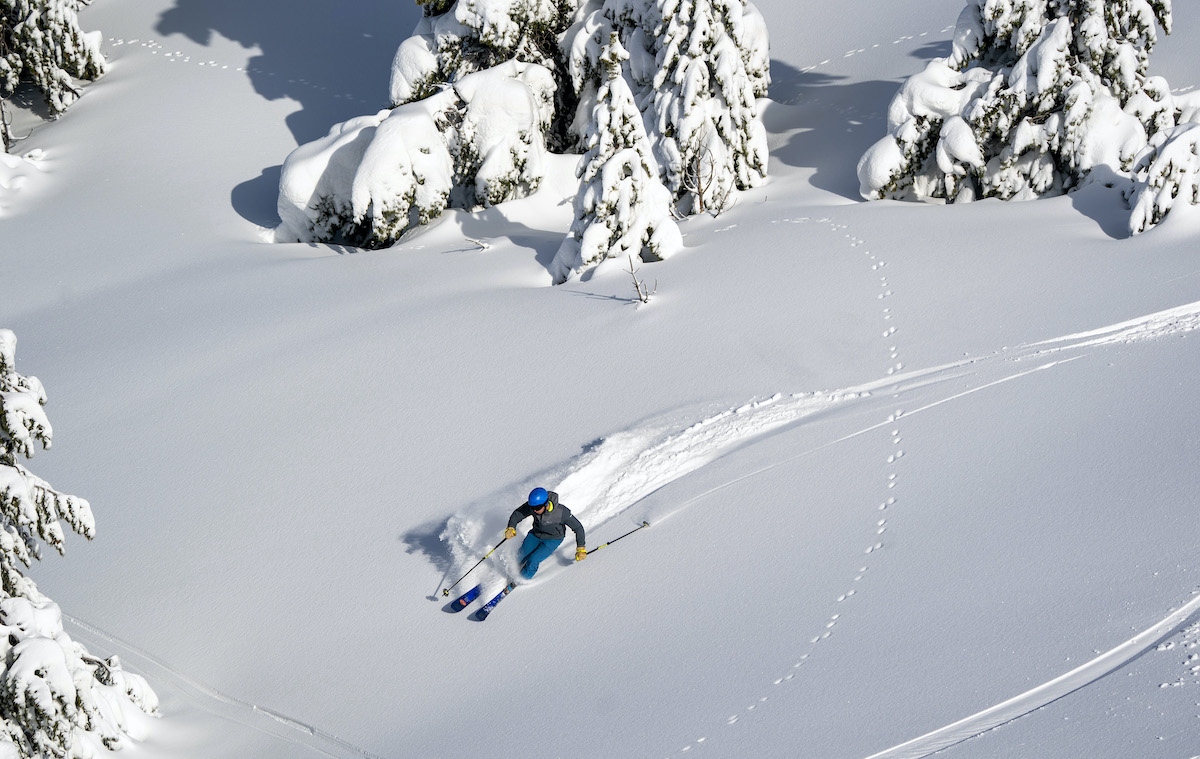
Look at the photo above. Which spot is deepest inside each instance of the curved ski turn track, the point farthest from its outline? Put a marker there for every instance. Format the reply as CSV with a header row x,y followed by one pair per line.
x,y
612,475
615,474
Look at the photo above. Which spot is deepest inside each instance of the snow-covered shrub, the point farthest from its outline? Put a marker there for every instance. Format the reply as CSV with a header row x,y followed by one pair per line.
x,y
55,699
501,136
1166,174
475,144
455,39
41,42
624,209
315,182
1035,94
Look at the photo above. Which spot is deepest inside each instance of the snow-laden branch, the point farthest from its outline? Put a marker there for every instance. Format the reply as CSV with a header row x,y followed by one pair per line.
x,y
55,699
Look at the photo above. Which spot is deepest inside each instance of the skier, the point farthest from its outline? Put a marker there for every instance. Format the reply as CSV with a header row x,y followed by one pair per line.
x,y
550,522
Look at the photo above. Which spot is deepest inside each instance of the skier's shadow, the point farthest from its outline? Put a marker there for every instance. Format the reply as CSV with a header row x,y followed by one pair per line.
x,y
427,540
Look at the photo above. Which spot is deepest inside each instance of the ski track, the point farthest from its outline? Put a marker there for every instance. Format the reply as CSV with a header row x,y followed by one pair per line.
x,y
616,473
212,701
1036,698
612,476
1173,321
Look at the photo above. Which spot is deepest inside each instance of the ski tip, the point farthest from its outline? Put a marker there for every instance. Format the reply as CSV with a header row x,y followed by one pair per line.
x,y
463,601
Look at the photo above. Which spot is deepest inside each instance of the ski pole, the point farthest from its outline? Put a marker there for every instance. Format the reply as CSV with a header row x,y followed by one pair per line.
x,y
614,540
446,591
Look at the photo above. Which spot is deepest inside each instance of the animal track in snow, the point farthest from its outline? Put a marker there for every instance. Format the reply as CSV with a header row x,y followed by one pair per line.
x,y
1176,321
860,50
178,56
621,469
878,526
156,48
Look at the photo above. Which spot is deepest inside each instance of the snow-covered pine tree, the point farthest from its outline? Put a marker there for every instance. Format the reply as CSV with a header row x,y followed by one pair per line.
x,y
55,699
623,208
696,70
1036,94
712,66
41,42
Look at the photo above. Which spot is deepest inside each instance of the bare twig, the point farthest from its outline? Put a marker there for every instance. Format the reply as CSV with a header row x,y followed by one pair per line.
x,y
701,179
699,176
643,292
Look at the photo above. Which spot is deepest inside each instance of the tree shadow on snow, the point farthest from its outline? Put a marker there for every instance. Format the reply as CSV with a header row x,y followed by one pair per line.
x,y
256,199
940,49
494,223
333,59
832,124
836,123
26,111
1100,199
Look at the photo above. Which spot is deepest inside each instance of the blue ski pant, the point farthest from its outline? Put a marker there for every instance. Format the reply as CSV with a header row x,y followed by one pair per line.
x,y
533,552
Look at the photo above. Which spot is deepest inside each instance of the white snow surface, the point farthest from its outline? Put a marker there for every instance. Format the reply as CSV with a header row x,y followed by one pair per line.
x,y
918,478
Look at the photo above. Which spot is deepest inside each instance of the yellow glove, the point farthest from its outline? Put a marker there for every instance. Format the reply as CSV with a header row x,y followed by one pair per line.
x,y
580,552
511,532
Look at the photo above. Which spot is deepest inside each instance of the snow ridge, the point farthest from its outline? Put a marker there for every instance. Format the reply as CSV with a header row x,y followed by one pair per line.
x,y
15,174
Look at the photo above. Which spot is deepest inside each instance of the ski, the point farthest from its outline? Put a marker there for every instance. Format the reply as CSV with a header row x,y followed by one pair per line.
x,y
483,613
465,599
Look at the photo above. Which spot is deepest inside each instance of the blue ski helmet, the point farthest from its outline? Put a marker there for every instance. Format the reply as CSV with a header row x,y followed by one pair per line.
x,y
538,496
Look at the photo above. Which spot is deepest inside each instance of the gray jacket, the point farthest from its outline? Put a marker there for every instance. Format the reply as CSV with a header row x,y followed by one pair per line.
x,y
552,523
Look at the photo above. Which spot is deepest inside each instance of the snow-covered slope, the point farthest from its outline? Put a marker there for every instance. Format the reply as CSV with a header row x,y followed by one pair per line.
x,y
902,464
